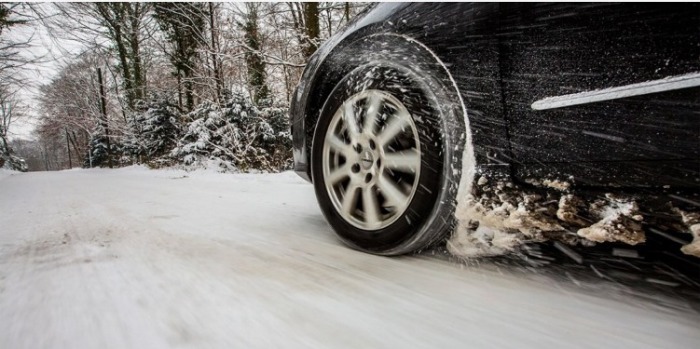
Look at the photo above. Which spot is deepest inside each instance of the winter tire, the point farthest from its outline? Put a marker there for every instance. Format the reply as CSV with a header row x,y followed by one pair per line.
x,y
383,153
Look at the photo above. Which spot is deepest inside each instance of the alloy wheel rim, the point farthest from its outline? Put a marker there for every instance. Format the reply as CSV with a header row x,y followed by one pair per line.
x,y
371,159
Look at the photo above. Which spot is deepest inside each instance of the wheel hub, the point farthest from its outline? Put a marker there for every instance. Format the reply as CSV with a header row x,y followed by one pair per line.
x,y
371,159
367,160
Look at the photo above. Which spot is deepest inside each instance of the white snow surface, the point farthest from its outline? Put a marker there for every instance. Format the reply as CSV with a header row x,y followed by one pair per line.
x,y
134,258
6,173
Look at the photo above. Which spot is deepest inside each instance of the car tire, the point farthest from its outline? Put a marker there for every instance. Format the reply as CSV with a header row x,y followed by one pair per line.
x,y
388,189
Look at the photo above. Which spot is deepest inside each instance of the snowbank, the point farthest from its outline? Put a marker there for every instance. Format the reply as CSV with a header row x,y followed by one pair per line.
x,y
6,173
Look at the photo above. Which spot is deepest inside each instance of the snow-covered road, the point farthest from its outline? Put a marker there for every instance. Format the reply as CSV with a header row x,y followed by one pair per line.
x,y
133,258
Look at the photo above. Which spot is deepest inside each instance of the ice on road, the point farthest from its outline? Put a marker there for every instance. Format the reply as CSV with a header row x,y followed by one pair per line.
x,y
133,258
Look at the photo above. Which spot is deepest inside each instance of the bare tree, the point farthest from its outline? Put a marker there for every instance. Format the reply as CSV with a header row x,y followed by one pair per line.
x,y
71,109
305,17
198,52
254,59
10,111
15,58
9,105
214,49
121,26
183,24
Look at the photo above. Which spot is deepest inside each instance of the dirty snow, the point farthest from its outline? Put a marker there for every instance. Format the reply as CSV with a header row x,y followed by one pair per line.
x,y
618,220
556,184
133,258
497,217
692,222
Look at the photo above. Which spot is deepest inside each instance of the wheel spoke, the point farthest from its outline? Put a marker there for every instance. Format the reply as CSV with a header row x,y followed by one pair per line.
x,y
394,196
392,129
351,121
371,160
406,160
350,199
339,145
374,104
339,173
371,206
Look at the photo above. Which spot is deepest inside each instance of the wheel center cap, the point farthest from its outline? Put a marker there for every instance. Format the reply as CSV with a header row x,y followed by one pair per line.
x,y
367,160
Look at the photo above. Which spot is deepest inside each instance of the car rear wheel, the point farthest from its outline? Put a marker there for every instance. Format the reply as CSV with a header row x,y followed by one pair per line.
x,y
381,160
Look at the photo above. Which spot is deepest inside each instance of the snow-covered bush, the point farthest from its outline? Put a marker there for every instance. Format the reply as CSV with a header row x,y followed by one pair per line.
x,y
9,161
277,137
237,136
154,129
97,152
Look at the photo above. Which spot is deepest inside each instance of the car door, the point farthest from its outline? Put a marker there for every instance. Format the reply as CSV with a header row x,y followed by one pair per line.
x,y
641,137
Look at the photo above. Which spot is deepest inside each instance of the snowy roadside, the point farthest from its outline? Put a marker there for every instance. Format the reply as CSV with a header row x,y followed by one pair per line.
x,y
210,173
6,173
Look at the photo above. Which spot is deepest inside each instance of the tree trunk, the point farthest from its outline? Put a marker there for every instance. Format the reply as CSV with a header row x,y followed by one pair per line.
x,y
312,27
254,59
135,52
189,93
113,14
105,124
116,92
4,143
329,21
74,139
126,72
44,157
179,88
214,51
70,160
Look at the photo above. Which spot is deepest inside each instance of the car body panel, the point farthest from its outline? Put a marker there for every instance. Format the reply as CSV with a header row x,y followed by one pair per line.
x,y
504,57
558,49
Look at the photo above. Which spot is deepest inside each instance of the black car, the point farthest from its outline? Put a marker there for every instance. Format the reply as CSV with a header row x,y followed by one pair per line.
x,y
578,122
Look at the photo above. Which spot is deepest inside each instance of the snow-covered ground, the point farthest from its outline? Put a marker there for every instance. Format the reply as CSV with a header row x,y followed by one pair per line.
x,y
6,173
133,258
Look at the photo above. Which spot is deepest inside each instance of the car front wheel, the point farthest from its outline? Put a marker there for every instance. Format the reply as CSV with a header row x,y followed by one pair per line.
x,y
382,160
